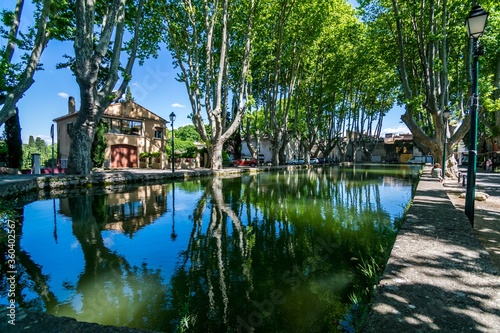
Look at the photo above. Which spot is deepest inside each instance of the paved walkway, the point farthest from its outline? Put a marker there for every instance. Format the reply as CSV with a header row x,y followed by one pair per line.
x,y
439,276
487,213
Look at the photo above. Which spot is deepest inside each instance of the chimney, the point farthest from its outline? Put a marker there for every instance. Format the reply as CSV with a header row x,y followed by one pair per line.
x,y
71,105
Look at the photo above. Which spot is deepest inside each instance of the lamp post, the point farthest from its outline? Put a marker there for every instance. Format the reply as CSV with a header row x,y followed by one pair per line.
x,y
446,115
476,22
52,136
172,119
300,146
257,132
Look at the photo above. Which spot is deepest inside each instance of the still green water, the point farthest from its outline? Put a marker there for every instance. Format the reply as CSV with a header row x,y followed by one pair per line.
x,y
270,252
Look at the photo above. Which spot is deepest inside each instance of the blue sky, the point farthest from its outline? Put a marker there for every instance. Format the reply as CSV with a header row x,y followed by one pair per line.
x,y
153,86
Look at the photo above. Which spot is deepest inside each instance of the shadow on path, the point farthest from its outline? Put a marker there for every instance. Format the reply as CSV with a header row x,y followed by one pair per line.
x,y
439,276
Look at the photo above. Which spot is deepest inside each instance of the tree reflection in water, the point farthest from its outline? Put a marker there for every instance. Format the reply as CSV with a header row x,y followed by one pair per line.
x,y
110,290
287,251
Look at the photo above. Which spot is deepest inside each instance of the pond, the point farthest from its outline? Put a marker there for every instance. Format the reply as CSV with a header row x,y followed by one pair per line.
x,y
283,251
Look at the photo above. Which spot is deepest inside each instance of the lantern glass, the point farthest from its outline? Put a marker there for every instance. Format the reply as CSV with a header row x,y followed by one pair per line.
x,y
172,117
476,22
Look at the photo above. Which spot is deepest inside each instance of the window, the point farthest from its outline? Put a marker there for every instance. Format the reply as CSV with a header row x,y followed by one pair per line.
x,y
125,211
105,120
158,133
116,126
136,127
126,127
131,127
123,126
69,127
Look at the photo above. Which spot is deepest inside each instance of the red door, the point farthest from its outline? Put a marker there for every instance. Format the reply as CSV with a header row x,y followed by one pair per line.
x,y
123,156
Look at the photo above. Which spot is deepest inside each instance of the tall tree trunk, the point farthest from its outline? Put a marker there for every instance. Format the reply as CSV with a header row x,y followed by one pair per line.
x,y
97,93
14,142
79,161
426,88
205,71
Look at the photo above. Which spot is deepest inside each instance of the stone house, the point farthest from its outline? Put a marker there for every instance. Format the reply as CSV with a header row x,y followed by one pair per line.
x,y
132,130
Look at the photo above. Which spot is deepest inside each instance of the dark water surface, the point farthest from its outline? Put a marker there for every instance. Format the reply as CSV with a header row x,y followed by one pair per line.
x,y
270,252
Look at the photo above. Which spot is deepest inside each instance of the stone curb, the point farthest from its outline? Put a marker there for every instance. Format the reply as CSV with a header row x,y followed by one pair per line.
x,y
16,185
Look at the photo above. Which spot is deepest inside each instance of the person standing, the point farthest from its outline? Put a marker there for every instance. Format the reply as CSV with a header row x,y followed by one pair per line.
x,y
436,172
489,165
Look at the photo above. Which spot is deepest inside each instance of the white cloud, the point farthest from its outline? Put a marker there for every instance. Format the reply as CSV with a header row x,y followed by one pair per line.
x,y
401,129
75,245
109,241
63,95
177,105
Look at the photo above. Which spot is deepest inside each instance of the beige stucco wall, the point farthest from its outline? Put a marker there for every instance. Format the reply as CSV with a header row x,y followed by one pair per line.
x,y
62,136
145,142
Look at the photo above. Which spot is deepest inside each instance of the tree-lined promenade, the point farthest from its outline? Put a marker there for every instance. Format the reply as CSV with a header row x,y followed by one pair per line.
x,y
320,72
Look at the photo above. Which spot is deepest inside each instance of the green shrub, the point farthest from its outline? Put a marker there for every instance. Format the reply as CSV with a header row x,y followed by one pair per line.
x,y
99,145
187,149
145,155
225,158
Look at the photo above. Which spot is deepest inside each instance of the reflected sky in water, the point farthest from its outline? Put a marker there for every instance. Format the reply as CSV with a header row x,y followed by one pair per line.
x,y
267,252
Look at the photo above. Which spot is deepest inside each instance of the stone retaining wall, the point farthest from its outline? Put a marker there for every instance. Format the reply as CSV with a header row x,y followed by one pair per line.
x,y
16,185
11,189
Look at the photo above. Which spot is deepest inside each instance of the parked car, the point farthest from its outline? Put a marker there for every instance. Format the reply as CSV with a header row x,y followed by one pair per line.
x,y
244,161
324,160
296,161
420,160
313,161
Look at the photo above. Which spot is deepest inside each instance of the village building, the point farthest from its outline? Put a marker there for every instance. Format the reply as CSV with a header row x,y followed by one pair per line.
x,y
132,130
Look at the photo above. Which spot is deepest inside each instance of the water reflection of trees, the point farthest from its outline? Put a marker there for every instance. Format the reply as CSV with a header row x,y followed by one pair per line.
x,y
275,252
137,294
305,237
28,273
109,290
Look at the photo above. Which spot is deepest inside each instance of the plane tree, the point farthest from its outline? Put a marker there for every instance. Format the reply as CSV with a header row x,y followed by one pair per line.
x,y
211,42
326,92
323,65
17,77
429,46
22,48
373,94
290,66
277,60
490,75
104,34
345,89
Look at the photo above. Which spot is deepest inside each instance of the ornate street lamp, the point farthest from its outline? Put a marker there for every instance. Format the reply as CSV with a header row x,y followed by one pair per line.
x,y
172,119
476,22
446,115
